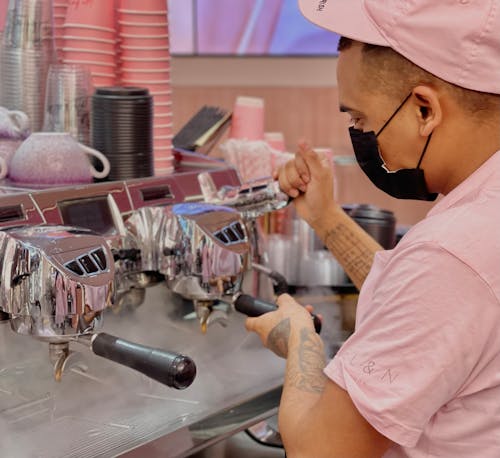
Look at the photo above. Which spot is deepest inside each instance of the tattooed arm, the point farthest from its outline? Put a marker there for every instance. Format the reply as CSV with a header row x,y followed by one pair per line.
x,y
309,180
316,417
353,248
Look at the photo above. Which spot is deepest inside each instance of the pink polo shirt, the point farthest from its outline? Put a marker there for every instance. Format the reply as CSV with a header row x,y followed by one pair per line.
x,y
423,366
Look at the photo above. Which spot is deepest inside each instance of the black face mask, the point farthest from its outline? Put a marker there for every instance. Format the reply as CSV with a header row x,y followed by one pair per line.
x,y
403,183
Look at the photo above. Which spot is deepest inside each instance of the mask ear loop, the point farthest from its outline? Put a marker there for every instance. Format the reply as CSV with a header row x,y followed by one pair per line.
x,y
425,149
394,114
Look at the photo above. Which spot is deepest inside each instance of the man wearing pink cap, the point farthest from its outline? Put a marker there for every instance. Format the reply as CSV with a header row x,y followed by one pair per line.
x,y
420,376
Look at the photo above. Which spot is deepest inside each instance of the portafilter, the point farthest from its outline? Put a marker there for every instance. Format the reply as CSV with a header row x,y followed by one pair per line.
x,y
55,282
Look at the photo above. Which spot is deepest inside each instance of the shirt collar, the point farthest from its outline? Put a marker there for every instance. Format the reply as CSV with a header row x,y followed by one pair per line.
x,y
471,184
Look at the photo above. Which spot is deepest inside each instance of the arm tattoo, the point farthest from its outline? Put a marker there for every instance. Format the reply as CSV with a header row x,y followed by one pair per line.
x,y
356,258
306,373
277,340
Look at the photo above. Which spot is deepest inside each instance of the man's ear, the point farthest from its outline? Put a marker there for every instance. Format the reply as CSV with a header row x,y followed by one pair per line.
x,y
428,109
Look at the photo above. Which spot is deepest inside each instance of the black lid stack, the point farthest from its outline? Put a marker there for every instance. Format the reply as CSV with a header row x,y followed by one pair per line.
x,y
122,129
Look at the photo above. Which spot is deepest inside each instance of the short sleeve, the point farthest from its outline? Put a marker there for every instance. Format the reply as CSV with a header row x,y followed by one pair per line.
x,y
424,326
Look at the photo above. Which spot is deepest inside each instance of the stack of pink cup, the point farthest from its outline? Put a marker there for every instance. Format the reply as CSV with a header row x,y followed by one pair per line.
x,y
59,8
90,39
145,62
3,15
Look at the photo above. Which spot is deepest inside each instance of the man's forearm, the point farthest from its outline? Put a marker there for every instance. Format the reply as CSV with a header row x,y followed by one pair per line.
x,y
353,248
304,383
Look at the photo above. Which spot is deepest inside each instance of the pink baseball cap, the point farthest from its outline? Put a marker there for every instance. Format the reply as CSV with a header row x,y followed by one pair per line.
x,y
455,40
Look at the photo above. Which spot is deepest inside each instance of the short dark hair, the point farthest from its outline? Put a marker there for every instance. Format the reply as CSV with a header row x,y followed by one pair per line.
x,y
383,63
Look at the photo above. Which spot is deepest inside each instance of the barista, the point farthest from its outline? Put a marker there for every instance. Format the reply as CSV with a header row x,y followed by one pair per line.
x,y
420,376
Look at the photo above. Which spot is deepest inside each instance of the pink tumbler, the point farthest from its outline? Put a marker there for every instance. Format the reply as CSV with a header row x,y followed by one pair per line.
x,y
248,119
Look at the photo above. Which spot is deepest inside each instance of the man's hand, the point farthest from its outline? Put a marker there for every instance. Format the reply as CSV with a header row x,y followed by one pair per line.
x,y
274,328
308,178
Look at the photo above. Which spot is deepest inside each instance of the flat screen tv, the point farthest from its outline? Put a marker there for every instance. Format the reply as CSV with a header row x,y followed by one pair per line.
x,y
245,28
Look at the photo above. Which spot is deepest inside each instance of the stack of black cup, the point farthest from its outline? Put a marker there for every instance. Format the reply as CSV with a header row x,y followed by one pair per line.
x,y
122,129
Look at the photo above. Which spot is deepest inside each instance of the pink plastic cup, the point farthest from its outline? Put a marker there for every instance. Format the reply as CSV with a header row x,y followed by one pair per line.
x,y
152,85
144,41
159,99
91,12
145,64
88,56
163,156
275,140
3,14
85,31
164,163
142,12
164,172
58,26
87,52
144,75
248,119
163,107
136,28
104,74
167,123
153,54
162,151
165,159
162,148
100,81
58,20
163,141
164,166
139,18
163,111
143,5
92,40
162,132
91,45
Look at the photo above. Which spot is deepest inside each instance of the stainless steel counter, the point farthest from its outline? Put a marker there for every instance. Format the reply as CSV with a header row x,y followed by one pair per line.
x,y
101,409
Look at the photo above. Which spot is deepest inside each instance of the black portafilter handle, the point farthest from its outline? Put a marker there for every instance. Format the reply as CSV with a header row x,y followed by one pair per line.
x,y
171,369
250,306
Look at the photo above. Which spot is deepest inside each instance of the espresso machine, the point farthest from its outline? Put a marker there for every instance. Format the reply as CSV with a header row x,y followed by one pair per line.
x,y
150,259
66,256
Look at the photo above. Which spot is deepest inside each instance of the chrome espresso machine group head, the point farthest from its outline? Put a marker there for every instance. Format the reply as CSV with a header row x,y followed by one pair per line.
x,y
55,281
204,249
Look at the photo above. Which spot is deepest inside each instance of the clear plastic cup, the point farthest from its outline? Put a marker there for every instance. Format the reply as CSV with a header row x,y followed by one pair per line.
x,y
67,101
